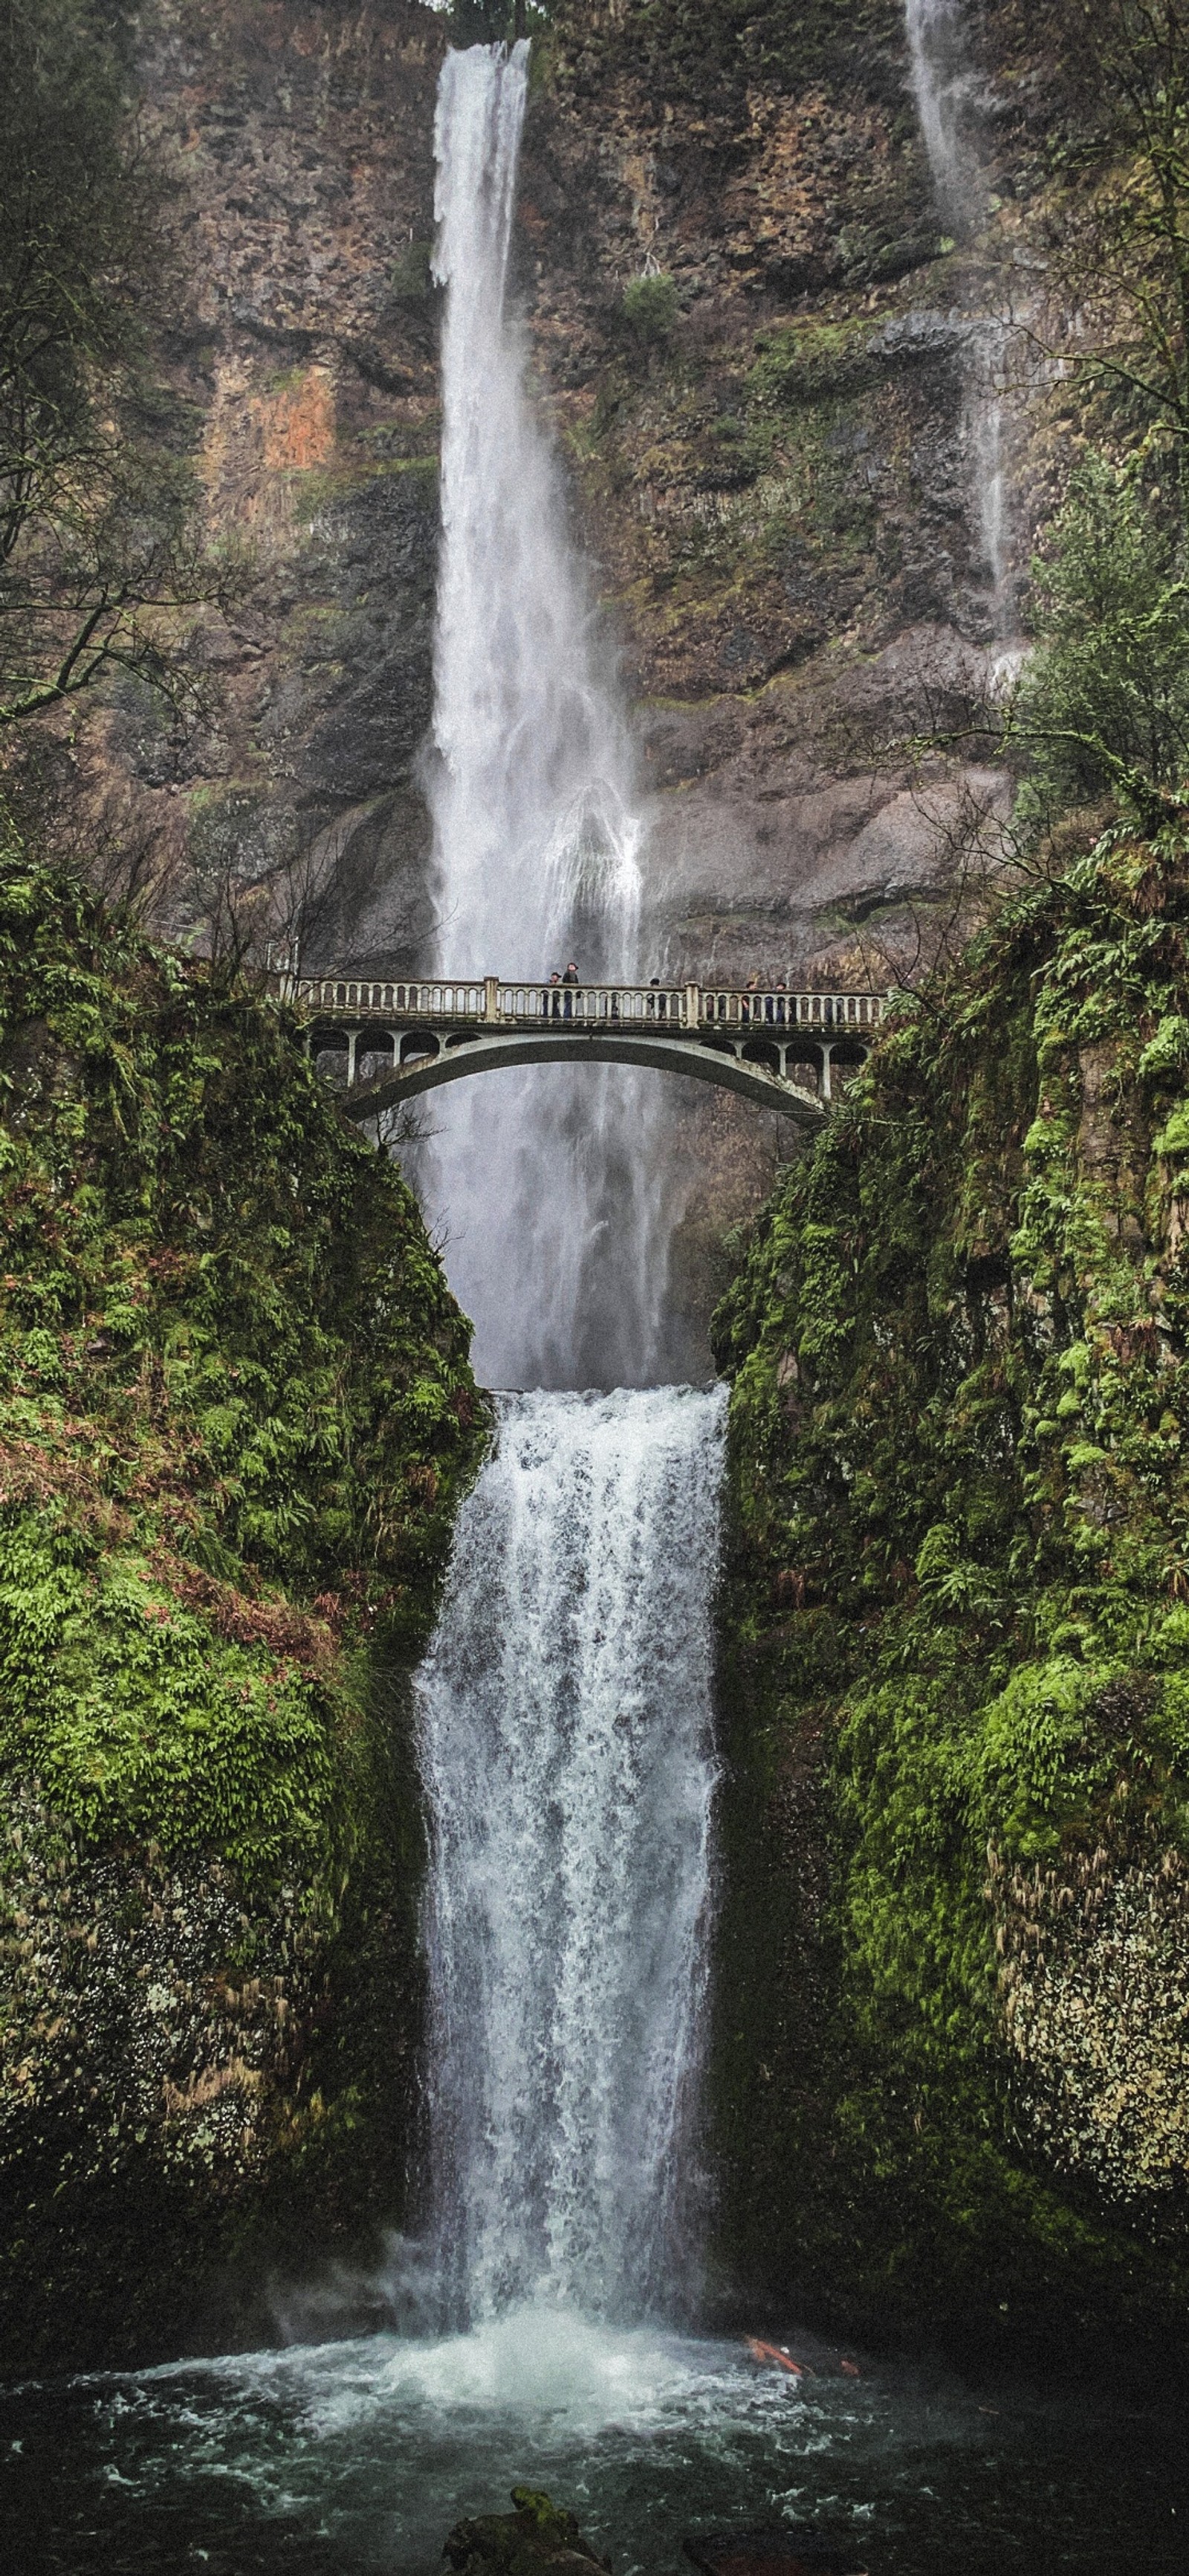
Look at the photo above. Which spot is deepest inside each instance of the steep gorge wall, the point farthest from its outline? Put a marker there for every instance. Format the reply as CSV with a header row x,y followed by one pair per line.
x,y
952,2062
235,1418
300,378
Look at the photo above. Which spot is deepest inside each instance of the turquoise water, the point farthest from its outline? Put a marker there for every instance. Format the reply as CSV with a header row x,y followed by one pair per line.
x,y
355,2457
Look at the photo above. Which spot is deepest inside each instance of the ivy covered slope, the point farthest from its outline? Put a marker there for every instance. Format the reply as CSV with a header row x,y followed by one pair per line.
x,y
236,1414
952,2061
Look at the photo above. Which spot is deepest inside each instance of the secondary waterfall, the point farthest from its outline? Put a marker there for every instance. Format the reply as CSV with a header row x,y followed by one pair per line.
x,y
566,1752
944,89
544,1178
947,94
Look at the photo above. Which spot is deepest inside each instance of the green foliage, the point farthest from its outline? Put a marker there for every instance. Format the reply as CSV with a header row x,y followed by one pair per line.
x,y
235,1410
649,306
410,274
959,1347
1105,698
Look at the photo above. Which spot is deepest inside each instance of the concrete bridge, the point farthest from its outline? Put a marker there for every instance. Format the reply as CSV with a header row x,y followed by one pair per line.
x,y
778,1048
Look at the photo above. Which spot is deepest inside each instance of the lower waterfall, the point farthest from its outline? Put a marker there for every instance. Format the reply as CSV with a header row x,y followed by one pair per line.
x,y
568,1767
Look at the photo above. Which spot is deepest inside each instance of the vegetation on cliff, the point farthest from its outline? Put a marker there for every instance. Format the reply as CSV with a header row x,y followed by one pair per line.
x,y
958,1675
235,1417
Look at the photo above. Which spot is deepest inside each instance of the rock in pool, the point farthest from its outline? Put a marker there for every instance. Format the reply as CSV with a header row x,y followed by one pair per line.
x,y
537,2536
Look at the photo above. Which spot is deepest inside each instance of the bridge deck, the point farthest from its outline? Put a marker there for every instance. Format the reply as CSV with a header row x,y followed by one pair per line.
x,y
751,1040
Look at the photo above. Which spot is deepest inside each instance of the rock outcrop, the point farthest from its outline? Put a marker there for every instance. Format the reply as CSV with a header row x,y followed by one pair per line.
x,y
537,2536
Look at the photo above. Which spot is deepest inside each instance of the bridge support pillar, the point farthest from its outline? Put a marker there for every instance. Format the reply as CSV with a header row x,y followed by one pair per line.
x,y
491,997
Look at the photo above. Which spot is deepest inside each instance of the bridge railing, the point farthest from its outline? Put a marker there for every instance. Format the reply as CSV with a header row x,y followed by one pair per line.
x,y
432,998
485,1000
592,1005
826,1014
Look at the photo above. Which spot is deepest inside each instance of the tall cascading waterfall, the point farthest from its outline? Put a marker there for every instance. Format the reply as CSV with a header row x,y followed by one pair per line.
x,y
566,1750
565,1732
947,93
546,1180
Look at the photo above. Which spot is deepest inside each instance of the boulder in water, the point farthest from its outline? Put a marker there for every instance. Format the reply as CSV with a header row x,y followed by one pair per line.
x,y
536,2536
784,2551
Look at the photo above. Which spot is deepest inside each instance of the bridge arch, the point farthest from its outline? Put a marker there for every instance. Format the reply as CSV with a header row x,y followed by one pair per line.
x,y
460,1058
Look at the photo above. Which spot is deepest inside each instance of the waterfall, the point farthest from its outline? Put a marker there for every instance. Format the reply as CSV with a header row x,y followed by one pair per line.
x,y
944,89
948,104
544,1177
566,1753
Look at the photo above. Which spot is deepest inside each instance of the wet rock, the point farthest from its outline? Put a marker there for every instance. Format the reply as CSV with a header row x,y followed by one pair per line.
x,y
785,2551
537,2535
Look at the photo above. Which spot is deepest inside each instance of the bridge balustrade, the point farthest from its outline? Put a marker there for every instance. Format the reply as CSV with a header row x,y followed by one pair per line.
x,y
831,1013
435,999
592,1005
525,1005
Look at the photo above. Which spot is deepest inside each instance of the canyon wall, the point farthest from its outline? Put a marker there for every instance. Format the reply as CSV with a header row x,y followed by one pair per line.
x,y
952,2063
235,1419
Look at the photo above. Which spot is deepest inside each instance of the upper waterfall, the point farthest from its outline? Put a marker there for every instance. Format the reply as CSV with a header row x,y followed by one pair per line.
x,y
547,1196
535,836
943,86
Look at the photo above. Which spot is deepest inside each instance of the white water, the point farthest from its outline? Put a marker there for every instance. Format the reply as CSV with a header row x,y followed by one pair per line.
x,y
949,105
542,1179
565,1744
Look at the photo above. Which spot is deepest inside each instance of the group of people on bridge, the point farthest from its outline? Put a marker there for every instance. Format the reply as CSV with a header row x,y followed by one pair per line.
x,y
557,999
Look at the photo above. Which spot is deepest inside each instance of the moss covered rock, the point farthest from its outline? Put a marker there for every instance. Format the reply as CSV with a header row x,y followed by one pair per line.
x,y
952,2061
536,2536
235,1416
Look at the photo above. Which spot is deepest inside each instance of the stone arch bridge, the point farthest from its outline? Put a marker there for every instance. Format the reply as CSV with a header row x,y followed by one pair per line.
x,y
780,1049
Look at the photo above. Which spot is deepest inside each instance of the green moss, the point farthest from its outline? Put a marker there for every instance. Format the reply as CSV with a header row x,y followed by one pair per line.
x,y
960,1502
812,362
236,1416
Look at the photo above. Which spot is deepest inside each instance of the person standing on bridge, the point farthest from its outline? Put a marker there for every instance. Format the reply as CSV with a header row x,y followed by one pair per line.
x,y
549,998
569,978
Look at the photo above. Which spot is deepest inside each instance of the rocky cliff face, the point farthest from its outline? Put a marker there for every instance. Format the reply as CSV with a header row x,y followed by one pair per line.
x,y
754,341
768,443
302,381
